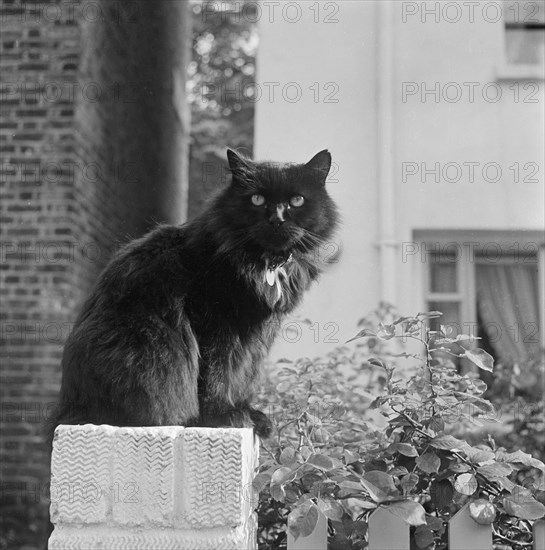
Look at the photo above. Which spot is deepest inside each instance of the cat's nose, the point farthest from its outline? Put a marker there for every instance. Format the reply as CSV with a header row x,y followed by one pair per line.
x,y
278,217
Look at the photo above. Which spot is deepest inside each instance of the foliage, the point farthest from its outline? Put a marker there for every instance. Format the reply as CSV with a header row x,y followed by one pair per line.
x,y
221,73
220,88
518,394
346,451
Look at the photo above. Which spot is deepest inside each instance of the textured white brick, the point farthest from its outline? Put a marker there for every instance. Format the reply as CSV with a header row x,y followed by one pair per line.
x,y
153,488
81,474
111,538
217,472
143,475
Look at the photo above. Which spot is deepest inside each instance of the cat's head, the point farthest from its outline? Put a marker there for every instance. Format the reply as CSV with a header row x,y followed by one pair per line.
x,y
279,207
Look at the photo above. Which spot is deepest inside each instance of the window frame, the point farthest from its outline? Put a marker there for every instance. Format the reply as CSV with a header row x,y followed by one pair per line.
x,y
466,267
516,71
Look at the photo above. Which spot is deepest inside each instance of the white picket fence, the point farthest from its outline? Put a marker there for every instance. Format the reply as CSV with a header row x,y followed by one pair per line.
x,y
389,532
173,487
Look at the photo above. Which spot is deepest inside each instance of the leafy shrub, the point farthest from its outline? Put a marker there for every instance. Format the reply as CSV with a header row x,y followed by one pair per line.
x,y
517,393
354,431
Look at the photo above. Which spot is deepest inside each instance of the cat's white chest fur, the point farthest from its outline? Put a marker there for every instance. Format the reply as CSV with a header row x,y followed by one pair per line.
x,y
276,278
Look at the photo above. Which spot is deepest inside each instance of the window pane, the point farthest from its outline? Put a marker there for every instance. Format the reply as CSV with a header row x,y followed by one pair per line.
x,y
450,317
507,299
443,277
525,45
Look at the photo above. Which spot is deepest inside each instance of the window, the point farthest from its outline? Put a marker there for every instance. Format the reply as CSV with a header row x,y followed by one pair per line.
x,y
524,31
490,290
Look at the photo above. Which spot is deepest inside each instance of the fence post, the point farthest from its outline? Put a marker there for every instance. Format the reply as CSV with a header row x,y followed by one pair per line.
x,y
149,488
387,531
464,533
539,534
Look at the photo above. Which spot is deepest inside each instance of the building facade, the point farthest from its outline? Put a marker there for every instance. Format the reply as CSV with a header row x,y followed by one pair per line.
x,y
433,113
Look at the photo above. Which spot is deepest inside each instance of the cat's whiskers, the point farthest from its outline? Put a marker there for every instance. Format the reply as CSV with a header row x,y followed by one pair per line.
x,y
310,233
310,241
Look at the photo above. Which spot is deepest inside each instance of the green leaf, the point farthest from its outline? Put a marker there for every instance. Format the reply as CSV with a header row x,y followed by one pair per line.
x,y
278,492
313,420
279,478
429,463
409,511
409,482
361,334
478,456
292,494
380,485
524,507
482,511
481,403
520,457
288,456
310,478
494,470
324,489
302,520
398,471
448,443
457,338
505,483
320,435
351,485
386,332
466,484
459,467
429,314
436,423
402,448
350,457
305,452
283,387
331,509
354,502
423,536
261,481
323,462
434,523
480,358
403,319
283,475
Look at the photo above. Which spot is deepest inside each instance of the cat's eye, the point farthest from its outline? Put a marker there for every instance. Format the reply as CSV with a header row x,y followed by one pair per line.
x,y
258,200
297,201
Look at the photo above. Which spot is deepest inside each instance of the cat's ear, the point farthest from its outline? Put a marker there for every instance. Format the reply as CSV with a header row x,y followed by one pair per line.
x,y
320,164
236,162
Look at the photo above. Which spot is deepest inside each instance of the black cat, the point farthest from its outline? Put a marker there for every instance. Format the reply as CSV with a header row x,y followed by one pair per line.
x,y
179,322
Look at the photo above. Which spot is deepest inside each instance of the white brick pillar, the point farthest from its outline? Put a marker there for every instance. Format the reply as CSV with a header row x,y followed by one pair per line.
x,y
153,488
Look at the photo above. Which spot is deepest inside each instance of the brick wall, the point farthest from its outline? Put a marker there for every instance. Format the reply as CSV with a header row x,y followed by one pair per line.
x,y
94,144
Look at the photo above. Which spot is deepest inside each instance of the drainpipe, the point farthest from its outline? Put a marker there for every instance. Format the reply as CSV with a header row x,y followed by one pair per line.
x,y
387,243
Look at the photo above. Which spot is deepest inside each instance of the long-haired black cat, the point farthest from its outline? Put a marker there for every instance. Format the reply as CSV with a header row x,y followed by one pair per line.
x,y
179,322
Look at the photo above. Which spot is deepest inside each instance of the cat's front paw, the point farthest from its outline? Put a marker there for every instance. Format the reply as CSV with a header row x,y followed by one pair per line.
x,y
262,424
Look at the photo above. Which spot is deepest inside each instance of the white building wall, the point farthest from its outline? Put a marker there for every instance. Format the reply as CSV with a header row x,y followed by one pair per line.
x,y
425,130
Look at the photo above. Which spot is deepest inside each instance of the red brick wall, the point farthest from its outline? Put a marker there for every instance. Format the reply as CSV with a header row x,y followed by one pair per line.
x,y
94,145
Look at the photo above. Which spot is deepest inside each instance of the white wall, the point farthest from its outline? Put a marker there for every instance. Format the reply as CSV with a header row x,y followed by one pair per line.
x,y
341,53
423,131
459,131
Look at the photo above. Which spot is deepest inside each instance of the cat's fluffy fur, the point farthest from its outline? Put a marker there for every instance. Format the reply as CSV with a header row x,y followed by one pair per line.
x,y
179,322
